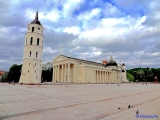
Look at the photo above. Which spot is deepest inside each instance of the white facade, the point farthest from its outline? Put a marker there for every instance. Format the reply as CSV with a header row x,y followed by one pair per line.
x,y
72,70
33,48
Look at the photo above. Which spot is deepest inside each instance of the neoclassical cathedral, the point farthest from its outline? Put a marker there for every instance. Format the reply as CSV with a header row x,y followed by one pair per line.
x,y
65,69
72,70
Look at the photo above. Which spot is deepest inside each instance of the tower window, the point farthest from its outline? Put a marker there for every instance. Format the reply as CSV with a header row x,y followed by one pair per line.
x,y
31,41
35,64
29,63
35,71
32,29
30,54
38,28
37,41
36,54
28,70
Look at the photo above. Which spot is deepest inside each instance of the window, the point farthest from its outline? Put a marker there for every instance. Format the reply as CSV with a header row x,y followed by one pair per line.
x,y
35,64
32,29
38,28
28,70
30,54
36,77
36,54
35,71
31,41
37,41
29,63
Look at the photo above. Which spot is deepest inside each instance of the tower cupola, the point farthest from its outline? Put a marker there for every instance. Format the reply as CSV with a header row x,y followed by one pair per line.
x,y
36,21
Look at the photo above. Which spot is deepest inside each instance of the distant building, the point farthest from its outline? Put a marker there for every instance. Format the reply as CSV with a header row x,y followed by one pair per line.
x,y
2,74
32,58
73,70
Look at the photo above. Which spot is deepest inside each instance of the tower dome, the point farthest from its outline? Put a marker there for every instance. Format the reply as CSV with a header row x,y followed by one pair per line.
x,y
111,62
36,21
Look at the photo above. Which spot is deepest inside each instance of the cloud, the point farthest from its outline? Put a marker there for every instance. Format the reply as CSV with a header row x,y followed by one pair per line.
x,y
72,30
92,30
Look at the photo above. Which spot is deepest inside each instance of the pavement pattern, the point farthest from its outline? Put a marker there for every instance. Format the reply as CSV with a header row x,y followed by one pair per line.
x,y
51,101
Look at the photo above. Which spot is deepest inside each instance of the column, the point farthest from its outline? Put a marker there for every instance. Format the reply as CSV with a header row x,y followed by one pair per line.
x,y
105,76
73,74
96,76
68,72
108,77
62,74
53,74
100,76
58,74
112,76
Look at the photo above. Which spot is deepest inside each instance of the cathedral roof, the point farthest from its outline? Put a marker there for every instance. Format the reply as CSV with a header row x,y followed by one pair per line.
x,y
36,21
123,64
111,62
83,60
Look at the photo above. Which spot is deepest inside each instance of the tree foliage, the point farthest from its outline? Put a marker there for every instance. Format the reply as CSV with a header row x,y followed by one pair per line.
x,y
145,74
14,73
47,75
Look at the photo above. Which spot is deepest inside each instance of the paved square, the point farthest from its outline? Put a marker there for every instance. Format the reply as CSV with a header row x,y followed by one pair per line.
x,y
78,101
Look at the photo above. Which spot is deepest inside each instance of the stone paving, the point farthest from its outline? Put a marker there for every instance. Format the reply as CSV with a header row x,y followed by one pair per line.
x,y
78,101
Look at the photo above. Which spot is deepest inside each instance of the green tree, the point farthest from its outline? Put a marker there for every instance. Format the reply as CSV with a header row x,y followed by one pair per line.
x,y
47,74
140,75
14,73
149,75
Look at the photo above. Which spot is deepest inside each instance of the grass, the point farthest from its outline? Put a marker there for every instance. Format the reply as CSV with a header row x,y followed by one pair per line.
x,y
130,77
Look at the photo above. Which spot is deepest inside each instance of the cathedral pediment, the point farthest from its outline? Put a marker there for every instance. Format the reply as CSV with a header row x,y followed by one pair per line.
x,y
60,58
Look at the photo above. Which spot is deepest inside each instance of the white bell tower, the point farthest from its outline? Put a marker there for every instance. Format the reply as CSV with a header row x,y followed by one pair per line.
x,y
33,48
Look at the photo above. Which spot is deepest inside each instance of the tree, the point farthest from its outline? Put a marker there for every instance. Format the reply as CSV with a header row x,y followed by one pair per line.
x,y
140,75
47,71
149,75
14,73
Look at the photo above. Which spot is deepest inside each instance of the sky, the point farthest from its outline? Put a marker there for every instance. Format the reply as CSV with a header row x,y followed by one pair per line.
x,y
94,30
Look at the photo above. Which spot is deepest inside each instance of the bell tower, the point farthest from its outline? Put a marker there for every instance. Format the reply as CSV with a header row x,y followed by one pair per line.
x,y
33,48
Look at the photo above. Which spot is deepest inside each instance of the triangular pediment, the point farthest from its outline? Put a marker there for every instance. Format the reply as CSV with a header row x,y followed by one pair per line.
x,y
60,58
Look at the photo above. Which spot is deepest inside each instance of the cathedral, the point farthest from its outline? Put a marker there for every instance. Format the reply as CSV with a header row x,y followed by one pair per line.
x,y
72,70
65,69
